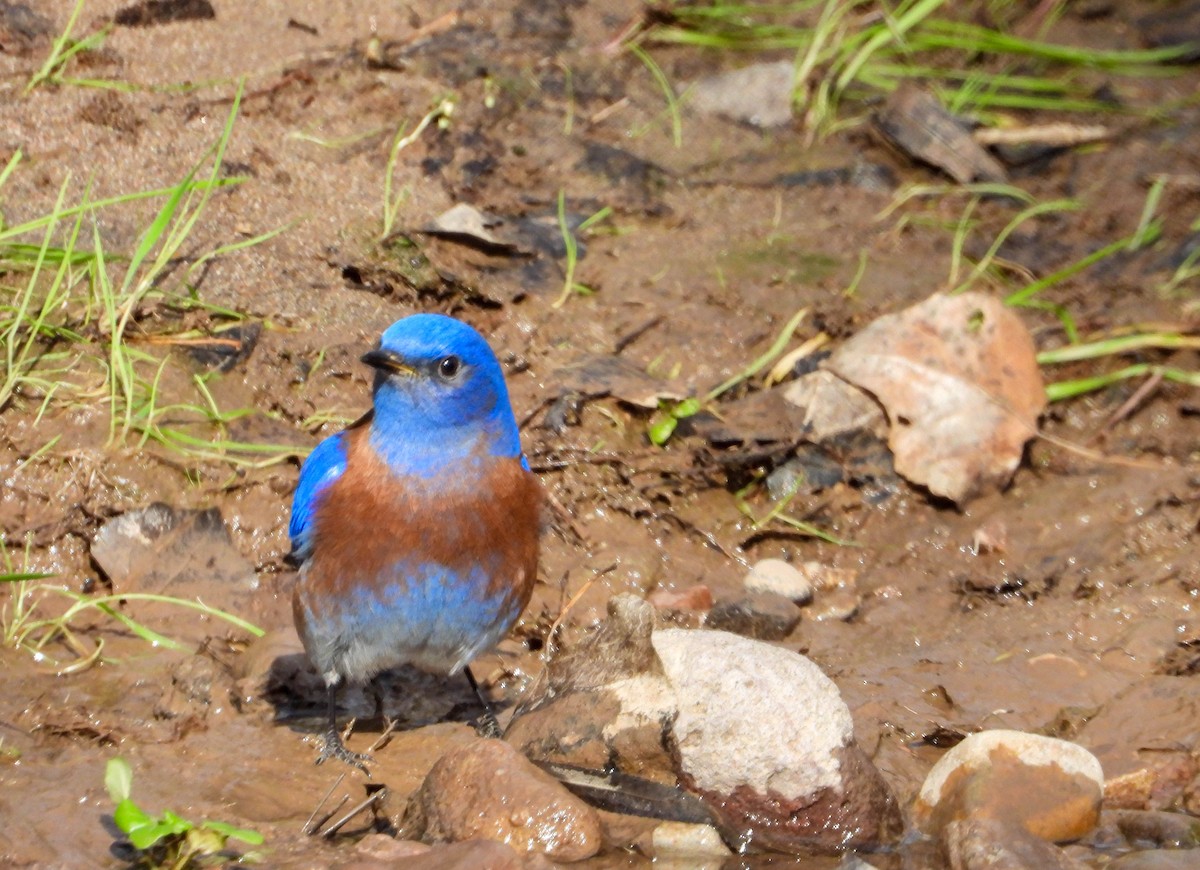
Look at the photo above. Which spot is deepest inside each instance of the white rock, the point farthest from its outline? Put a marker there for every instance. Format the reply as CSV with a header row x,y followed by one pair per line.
x,y
759,94
781,578
782,740
680,839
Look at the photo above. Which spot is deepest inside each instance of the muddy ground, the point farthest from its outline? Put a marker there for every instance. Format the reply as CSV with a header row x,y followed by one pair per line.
x,y
1079,625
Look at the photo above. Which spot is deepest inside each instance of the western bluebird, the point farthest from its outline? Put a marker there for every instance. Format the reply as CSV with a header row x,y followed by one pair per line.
x,y
416,528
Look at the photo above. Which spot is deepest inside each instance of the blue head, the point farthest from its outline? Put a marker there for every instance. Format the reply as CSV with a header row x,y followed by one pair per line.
x,y
439,396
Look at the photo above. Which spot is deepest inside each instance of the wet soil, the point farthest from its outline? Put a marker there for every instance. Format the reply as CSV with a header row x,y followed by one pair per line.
x,y
711,247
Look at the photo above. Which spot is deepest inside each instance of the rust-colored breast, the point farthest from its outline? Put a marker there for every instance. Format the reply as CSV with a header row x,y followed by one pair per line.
x,y
480,519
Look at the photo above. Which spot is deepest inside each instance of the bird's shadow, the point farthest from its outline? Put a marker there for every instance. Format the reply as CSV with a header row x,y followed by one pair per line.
x,y
405,696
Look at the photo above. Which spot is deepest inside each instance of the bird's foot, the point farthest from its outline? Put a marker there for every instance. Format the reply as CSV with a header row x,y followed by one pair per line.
x,y
333,747
487,726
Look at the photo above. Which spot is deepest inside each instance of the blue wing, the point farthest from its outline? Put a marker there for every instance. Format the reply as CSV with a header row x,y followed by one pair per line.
x,y
323,466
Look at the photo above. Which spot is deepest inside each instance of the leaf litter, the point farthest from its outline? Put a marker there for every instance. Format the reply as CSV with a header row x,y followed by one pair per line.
x,y
959,380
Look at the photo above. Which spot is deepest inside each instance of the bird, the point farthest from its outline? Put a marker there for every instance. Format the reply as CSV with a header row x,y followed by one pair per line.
x,y
415,528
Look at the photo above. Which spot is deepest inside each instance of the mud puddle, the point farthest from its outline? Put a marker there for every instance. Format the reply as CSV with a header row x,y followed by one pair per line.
x,y
1076,618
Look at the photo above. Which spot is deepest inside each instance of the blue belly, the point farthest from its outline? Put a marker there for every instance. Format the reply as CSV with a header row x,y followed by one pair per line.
x,y
426,616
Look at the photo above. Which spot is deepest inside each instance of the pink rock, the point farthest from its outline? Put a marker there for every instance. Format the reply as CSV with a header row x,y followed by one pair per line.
x,y
486,789
697,597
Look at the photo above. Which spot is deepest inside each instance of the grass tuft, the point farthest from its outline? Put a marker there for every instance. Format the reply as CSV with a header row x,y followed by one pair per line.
x,y
73,330
855,51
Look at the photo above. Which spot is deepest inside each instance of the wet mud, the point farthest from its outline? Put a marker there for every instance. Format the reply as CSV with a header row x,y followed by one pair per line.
x,y
1065,604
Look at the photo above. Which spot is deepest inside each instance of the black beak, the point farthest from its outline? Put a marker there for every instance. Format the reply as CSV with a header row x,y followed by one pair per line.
x,y
387,361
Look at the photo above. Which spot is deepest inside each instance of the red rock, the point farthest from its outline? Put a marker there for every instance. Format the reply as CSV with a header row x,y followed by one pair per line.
x,y
488,790
697,597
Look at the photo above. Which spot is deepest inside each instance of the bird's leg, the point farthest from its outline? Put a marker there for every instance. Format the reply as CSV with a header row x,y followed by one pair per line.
x,y
332,745
389,724
486,726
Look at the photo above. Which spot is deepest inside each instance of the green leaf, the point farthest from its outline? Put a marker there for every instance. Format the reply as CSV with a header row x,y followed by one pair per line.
x,y
129,816
146,836
661,428
143,829
686,408
254,838
118,778
178,825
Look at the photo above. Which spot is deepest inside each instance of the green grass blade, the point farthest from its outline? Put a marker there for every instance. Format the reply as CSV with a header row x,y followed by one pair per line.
x,y
1118,345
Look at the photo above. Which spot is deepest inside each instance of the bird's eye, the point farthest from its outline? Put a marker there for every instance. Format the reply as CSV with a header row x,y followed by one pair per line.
x,y
449,366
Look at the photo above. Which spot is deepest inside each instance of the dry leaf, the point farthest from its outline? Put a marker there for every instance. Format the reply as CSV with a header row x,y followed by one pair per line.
x,y
596,376
469,223
833,407
916,122
959,379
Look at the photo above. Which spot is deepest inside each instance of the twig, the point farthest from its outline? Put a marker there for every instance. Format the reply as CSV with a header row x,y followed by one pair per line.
x,y
1056,135
308,825
389,729
554,626
633,335
1129,405
565,516
370,799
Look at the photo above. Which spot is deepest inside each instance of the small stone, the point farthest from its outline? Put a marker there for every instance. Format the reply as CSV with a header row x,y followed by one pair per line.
x,y
841,603
759,615
487,789
759,94
985,844
990,537
824,576
675,841
697,598
605,702
1161,829
381,847
1050,788
837,597
1157,859
780,578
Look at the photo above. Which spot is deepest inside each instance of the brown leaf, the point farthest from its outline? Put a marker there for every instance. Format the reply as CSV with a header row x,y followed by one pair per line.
x,y
959,380
915,121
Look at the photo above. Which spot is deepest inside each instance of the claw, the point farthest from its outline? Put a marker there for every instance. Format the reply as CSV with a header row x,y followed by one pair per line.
x,y
333,747
487,726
